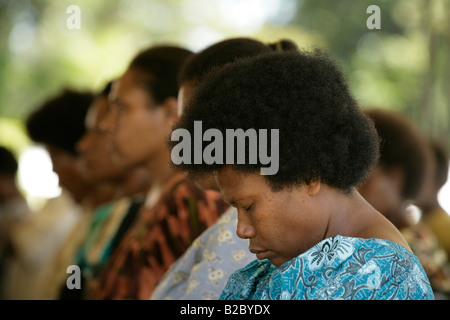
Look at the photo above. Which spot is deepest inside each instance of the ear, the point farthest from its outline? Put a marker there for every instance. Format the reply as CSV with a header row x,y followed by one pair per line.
x,y
313,187
170,109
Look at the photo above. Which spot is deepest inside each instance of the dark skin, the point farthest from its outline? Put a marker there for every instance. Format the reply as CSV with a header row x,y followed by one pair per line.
x,y
97,162
9,192
93,146
139,127
383,190
70,174
282,225
8,188
94,189
259,207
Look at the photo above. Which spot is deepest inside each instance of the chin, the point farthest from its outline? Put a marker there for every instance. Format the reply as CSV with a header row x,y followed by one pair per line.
x,y
278,262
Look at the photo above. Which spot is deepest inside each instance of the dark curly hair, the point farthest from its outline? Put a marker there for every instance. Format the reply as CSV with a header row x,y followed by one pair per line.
x,y
106,89
8,162
59,121
227,51
323,133
402,145
441,158
159,67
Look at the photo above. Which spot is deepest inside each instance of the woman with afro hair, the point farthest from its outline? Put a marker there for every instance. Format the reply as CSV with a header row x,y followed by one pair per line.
x,y
217,252
314,235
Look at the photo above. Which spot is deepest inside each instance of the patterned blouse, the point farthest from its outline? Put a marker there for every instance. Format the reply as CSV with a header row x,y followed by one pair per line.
x,y
337,268
433,258
203,270
158,237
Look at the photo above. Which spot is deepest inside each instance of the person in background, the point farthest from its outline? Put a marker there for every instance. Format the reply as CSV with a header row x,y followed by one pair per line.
x,y
14,209
399,178
314,235
433,215
126,189
202,272
397,182
175,212
13,204
45,243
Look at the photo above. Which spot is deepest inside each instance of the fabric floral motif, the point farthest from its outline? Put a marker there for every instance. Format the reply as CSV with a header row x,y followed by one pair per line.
x,y
338,268
326,251
207,264
373,273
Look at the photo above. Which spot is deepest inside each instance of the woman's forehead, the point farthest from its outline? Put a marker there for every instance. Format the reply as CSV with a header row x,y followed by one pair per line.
x,y
236,185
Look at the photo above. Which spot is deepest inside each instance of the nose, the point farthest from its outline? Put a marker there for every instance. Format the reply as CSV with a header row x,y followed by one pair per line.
x,y
109,121
244,229
83,143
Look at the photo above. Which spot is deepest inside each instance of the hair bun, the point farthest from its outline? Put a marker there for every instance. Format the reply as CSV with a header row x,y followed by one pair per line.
x,y
283,45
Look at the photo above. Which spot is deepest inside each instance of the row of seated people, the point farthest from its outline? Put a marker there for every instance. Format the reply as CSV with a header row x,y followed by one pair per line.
x,y
140,227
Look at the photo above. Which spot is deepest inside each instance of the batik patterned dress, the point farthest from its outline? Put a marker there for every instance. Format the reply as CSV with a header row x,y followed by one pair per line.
x,y
203,270
337,268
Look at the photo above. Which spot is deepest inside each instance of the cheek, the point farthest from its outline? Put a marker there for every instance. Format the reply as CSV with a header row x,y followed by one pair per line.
x,y
67,174
131,130
288,225
102,148
137,138
101,159
380,194
267,225
93,149
61,169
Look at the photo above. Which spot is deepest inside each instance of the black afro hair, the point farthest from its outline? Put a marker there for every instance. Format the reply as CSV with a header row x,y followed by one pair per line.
x,y
8,162
441,159
106,89
227,51
59,121
323,134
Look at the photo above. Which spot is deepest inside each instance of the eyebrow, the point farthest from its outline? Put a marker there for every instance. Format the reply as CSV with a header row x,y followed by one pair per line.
x,y
114,99
233,201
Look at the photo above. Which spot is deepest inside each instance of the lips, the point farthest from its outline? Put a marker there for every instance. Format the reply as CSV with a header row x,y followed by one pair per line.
x,y
260,254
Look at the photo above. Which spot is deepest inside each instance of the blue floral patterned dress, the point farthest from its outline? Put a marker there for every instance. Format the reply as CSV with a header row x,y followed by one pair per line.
x,y
337,268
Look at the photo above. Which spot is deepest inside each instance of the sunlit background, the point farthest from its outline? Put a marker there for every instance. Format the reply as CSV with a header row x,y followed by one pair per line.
x,y
402,66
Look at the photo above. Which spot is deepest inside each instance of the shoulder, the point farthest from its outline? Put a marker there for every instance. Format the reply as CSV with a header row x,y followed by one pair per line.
x,y
356,268
341,268
209,261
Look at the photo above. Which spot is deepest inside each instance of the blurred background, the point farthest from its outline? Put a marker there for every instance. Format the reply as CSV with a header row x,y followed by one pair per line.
x,y
403,66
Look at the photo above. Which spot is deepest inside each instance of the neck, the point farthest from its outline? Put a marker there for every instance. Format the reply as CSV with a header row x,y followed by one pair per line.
x,y
135,182
159,169
9,190
353,216
344,212
100,194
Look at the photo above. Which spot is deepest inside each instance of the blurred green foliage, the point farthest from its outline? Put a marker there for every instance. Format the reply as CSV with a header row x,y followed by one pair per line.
x,y
404,65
